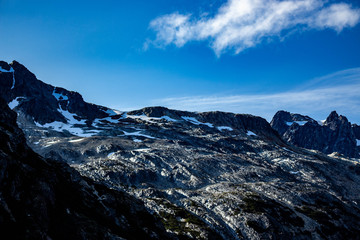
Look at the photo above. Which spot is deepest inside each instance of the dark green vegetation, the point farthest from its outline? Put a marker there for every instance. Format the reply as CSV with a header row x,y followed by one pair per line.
x,y
331,216
184,223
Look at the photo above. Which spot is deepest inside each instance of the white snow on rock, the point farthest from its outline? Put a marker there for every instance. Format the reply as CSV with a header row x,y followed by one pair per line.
x,y
301,123
250,133
225,128
109,119
357,142
292,172
59,96
321,122
48,144
125,115
169,119
150,119
76,140
137,140
60,127
71,117
138,133
111,156
141,117
14,103
69,126
142,150
196,122
113,112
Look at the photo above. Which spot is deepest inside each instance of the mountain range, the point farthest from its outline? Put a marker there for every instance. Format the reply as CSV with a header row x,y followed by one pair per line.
x,y
333,135
210,175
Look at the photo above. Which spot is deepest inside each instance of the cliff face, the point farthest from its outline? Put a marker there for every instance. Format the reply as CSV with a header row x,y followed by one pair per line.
x,y
41,101
335,134
44,199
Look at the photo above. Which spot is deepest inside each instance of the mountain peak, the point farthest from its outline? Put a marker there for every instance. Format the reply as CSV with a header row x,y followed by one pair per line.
x,y
5,66
334,135
332,116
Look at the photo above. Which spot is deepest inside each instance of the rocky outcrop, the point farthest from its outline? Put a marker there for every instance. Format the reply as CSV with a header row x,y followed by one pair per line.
x,y
283,119
44,199
356,131
41,101
240,122
335,134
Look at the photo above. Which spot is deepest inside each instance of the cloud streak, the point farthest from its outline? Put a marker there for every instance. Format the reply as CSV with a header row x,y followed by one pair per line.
x,y
338,91
241,24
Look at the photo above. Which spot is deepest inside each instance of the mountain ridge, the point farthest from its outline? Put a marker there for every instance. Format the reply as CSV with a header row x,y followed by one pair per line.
x,y
230,176
335,134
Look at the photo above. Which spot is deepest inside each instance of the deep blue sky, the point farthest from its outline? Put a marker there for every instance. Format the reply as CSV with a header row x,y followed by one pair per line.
x,y
97,49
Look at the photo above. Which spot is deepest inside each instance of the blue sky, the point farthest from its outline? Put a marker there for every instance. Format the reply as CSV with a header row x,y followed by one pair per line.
x,y
233,55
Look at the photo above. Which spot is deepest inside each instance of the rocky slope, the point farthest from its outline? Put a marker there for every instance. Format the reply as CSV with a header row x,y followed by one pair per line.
x,y
208,175
45,199
335,134
43,103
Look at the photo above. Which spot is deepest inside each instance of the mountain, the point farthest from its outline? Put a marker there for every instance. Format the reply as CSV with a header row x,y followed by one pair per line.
x,y
211,175
45,199
41,103
335,134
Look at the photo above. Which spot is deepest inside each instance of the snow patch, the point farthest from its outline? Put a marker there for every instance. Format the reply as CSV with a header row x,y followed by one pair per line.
x,y
59,96
292,172
357,142
141,117
196,122
111,156
48,144
137,140
109,119
225,128
112,112
169,119
71,117
142,150
138,133
150,119
60,127
321,122
250,133
14,103
76,140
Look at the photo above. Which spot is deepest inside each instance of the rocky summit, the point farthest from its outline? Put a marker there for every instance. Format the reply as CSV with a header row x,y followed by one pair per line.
x,y
333,135
211,175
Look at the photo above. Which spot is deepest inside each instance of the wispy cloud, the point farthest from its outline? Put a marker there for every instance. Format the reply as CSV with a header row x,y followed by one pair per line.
x,y
242,24
338,91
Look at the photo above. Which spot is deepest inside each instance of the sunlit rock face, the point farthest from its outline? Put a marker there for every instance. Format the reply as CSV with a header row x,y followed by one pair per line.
x,y
211,175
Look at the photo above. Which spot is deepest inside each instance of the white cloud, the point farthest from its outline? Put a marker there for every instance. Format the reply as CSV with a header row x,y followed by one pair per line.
x,y
242,24
338,91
